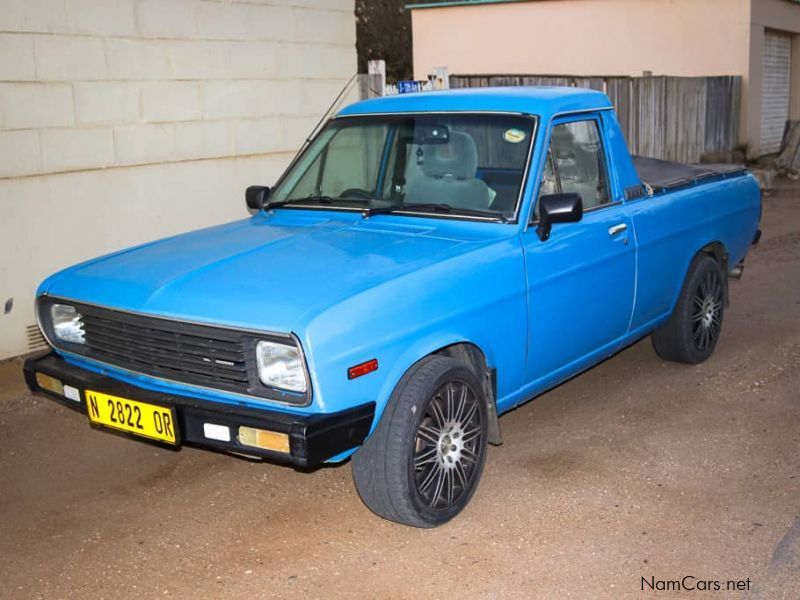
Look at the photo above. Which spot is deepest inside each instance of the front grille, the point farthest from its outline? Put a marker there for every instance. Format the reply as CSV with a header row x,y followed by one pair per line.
x,y
200,355
191,353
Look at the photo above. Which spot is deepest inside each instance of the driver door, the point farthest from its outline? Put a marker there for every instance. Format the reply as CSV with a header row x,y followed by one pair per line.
x,y
580,281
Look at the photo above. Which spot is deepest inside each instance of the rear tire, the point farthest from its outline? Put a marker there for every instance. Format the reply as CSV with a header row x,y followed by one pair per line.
x,y
423,462
692,332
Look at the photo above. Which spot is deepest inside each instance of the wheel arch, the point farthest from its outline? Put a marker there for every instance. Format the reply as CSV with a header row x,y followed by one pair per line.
x,y
715,250
463,351
718,252
473,357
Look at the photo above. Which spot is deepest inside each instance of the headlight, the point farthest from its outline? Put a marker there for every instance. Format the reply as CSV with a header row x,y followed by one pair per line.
x,y
67,324
281,366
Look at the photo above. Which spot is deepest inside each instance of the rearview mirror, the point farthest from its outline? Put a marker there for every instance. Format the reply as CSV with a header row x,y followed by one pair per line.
x,y
255,196
558,208
431,134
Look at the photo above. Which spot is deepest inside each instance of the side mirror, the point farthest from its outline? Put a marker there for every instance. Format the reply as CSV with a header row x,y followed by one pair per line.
x,y
255,196
558,208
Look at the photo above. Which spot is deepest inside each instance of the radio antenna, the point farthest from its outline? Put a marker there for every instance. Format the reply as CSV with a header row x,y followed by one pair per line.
x,y
334,105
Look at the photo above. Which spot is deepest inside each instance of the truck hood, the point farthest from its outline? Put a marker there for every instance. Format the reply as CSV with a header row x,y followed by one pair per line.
x,y
268,272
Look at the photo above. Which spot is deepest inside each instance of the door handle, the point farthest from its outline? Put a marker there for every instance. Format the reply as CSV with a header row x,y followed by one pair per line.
x,y
615,229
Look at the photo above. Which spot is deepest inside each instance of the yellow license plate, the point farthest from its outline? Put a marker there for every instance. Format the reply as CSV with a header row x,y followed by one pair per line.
x,y
139,418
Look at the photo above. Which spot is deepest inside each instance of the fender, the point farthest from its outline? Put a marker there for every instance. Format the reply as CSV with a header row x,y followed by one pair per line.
x,y
432,344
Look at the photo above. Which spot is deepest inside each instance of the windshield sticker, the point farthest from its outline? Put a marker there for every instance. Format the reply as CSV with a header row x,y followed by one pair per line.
x,y
514,136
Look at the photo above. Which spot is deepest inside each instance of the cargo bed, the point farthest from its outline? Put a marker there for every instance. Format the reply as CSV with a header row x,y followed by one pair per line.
x,y
663,175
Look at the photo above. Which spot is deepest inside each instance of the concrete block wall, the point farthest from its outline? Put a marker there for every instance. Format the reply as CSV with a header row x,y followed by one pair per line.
x,y
122,121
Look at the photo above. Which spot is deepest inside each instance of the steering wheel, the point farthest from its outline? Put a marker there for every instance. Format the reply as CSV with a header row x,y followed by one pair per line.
x,y
357,193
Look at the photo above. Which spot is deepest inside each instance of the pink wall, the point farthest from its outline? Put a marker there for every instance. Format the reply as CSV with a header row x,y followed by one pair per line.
x,y
585,37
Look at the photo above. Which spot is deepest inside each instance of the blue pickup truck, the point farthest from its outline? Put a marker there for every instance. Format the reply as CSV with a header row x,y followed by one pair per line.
x,y
427,263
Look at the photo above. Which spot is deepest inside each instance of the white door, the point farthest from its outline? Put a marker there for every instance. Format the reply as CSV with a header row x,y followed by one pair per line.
x,y
774,90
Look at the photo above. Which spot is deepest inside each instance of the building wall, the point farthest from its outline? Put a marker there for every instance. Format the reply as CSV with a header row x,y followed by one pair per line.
x,y
611,37
122,121
779,15
584,37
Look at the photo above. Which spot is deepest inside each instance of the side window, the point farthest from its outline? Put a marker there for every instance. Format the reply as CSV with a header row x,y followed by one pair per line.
x,y
549,180
549,183
576,156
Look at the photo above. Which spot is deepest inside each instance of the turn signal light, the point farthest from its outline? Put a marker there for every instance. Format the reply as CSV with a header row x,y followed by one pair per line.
x,y
261,438
50,383
362,369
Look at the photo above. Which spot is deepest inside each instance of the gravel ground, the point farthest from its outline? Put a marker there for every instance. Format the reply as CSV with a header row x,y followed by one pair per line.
x,y
636,469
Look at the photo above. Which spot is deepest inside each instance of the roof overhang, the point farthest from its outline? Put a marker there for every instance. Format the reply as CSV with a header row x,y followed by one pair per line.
x,y
461,3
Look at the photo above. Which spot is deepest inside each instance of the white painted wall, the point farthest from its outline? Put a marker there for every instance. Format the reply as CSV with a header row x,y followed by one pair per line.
x,y
123,121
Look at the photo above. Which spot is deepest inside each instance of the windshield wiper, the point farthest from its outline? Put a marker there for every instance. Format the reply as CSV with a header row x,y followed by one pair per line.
x,y
382,210
434,207
313,198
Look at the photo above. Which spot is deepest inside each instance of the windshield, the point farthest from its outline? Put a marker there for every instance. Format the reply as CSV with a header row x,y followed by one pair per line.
x,y
461,164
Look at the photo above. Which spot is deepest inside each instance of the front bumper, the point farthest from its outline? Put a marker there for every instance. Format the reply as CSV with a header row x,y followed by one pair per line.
x,y
313,439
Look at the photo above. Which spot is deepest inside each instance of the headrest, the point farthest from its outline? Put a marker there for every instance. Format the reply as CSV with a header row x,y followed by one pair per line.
x,y
457,158
563,142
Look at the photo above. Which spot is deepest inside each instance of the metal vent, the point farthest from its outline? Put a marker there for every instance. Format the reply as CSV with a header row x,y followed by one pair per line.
x,y
35,338
775,89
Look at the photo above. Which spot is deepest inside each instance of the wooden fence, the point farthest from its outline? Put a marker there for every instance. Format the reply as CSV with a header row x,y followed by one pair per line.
x,y
686,119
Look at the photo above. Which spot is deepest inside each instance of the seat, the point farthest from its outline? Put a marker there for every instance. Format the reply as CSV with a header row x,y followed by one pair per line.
x,y
446,174
578,168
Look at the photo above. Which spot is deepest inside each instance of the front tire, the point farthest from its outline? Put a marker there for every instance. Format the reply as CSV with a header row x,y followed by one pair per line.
x,y
692,332
422,464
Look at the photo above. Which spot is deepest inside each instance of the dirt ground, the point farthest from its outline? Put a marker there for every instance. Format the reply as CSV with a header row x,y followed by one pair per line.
x,y
636,469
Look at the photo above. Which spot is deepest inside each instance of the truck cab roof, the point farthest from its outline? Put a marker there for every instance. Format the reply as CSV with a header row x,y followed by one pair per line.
x,y
544,101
